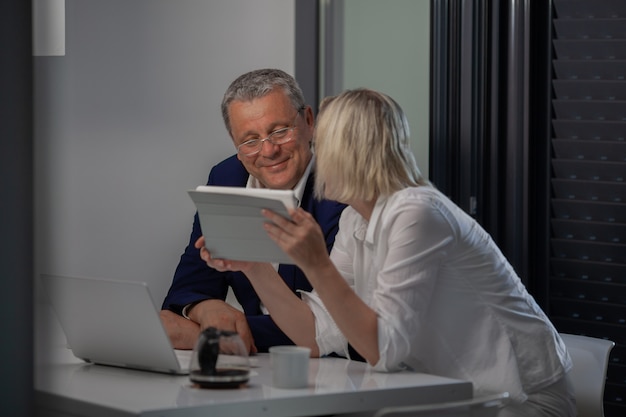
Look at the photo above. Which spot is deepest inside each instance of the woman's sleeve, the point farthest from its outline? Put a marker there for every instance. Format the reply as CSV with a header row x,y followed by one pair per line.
x,y
327,335
418,237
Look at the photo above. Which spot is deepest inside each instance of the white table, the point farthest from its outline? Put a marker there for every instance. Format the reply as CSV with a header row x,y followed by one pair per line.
x,y
66,386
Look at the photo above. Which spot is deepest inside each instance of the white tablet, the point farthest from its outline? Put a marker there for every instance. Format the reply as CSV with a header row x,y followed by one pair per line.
x,y
232,224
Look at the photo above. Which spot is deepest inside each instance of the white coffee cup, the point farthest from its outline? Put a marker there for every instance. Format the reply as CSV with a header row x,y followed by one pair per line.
x,y
290,366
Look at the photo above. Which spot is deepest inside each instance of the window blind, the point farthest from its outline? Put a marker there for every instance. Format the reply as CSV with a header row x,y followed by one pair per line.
x,y
587,286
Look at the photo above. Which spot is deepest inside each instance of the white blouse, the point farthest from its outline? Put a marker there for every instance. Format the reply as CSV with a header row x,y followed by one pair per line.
x,y
447,300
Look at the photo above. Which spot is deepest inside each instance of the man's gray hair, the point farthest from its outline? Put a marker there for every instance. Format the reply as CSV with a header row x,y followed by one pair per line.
x,y
259,83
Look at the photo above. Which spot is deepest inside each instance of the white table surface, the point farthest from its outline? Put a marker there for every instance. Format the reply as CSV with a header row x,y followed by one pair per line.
x,y
66,386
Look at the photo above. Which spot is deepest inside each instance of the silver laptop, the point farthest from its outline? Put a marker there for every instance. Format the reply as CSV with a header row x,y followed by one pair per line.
x,y
113,322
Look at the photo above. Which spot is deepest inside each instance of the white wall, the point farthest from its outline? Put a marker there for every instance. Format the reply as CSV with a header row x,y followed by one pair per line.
x,y
129,119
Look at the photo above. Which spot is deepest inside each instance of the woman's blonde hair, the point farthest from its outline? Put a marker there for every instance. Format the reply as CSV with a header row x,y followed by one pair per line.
x,y
362,147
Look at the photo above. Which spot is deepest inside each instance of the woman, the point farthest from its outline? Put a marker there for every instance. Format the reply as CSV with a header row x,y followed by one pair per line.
x,y
412,281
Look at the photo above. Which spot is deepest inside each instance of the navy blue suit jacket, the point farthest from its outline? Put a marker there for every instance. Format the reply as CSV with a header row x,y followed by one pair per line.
x,y
195,281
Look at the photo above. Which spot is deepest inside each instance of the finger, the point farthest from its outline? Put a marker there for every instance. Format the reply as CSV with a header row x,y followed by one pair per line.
x,y
199,243
276,218
300,215
276,233
217,264
243,329
291,231
205,255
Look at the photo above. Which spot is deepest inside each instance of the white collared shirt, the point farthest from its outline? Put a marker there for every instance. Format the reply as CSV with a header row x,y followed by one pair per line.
x,y
447,300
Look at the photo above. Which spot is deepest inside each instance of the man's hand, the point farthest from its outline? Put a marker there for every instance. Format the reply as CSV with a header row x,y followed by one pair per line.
x,y
183,333
223,316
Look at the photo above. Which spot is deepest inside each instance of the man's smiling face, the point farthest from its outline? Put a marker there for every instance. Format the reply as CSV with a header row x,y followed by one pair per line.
x,y
275,166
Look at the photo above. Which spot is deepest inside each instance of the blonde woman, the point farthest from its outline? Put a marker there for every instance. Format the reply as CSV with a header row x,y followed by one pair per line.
x,y
412,281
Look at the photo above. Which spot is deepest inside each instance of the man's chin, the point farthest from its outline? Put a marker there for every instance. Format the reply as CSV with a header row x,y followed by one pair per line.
x,y
279,186
272,177
278,183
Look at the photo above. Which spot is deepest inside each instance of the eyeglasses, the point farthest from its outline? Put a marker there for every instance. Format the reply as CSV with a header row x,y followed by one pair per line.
x,y
278,137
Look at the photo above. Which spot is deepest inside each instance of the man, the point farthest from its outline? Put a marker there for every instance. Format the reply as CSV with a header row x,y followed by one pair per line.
x,y
272,127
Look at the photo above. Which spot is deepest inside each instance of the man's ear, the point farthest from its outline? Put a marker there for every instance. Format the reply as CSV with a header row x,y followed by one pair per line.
x,y
308,116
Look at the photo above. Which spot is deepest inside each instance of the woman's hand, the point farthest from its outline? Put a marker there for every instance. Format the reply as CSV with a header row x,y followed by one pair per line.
x,y
222,264
288,311
301,237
